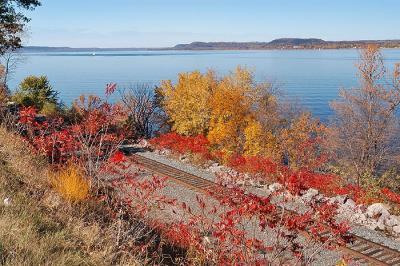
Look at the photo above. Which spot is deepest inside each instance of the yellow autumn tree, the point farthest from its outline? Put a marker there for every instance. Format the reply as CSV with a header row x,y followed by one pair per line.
x,y
260,132
187,103
259,141
254,138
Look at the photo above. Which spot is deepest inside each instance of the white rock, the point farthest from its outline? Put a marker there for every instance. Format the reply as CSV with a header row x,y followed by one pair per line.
x,y
143,143
396,229
350,203
275,187
266,191
240,182
310,193
346,211
376,224
206,239
251,182
372,225
322,198
360,218
392,220
378,210
381,223
7,201
215,169
260,184
289,196
337,199
164,152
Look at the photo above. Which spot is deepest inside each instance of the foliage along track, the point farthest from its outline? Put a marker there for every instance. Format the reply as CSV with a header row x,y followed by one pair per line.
x,y
361,249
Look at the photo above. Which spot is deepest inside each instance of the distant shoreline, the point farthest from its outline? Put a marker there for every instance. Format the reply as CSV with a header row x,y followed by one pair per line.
x,y
95,50
278,44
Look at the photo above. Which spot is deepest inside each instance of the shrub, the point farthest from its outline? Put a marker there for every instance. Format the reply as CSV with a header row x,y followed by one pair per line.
x,y
390,195
88,139
71,184
183,144
49,109
252,164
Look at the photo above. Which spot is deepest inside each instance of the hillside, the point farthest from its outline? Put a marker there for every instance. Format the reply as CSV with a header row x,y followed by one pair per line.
x,y
286,43
38,227
296,41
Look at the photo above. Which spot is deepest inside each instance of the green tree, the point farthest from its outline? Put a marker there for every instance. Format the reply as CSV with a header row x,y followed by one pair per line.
x,y
36,91
12,22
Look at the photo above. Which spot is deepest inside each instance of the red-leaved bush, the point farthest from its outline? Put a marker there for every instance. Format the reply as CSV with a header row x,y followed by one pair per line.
x,y
252,164
297,181
88,140
183,144
390,195
264,169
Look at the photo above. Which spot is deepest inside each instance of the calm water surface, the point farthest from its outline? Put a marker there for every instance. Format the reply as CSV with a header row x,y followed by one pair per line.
x,y
313,77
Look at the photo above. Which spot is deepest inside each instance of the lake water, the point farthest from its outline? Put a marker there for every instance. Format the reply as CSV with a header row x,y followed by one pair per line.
x,y
314,77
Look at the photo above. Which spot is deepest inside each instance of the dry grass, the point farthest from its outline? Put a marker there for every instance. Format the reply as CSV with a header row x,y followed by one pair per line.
x,y
71,184
38,227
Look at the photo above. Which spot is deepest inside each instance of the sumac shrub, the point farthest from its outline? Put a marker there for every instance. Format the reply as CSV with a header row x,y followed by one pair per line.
x,y
183,144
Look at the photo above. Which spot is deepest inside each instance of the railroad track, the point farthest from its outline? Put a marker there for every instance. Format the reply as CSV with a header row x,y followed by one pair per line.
x,y
361,249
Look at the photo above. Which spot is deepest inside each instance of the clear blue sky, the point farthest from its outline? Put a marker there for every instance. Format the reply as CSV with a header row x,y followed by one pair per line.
x,y
160,23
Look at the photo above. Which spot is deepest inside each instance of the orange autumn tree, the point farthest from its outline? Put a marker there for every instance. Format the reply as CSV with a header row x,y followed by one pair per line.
x,y
235,124
231,111
302,142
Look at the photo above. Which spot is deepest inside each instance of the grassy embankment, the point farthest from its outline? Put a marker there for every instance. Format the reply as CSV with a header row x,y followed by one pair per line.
x,y
37,227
